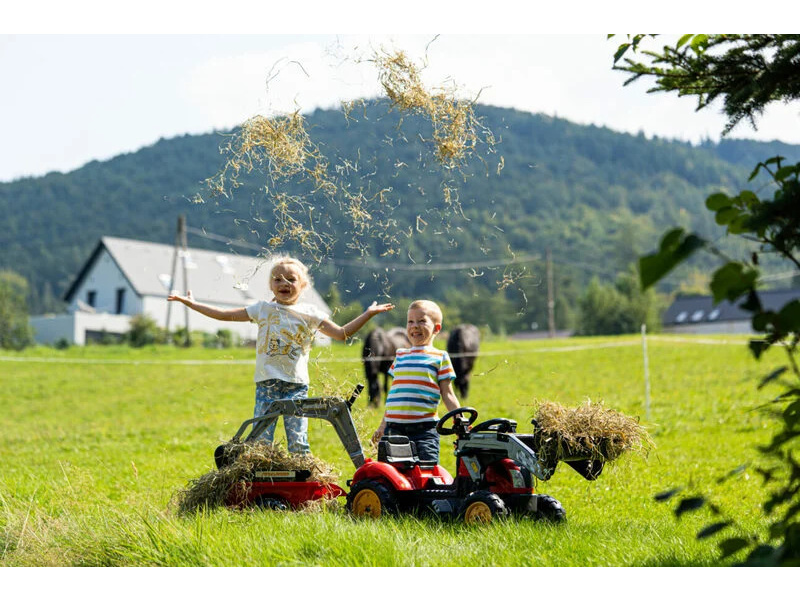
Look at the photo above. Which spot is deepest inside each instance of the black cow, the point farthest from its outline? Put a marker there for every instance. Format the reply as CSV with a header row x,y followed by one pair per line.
x,y
462,346
378,354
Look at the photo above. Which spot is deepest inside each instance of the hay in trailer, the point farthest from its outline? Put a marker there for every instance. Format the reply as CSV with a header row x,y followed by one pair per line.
x,y
212,489
590,430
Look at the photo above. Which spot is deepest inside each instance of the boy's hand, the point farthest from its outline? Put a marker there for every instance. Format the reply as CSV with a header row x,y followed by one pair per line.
x,y
376,437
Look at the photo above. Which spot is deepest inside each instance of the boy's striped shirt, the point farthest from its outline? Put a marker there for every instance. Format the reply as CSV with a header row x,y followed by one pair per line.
x,y
415,394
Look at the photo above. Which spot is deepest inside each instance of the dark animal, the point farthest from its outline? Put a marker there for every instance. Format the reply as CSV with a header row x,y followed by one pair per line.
x,y
378,354
462,346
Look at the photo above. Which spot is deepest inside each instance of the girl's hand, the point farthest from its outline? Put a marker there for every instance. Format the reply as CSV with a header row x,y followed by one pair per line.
x,y
188,299
376,308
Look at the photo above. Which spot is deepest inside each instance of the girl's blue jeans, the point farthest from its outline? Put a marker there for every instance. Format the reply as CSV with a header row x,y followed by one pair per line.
x,y
296,427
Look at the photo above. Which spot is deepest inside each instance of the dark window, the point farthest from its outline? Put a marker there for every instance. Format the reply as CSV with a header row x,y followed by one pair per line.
x,y
91,297
120,300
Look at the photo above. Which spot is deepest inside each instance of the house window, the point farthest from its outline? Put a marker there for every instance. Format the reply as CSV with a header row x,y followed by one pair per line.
x,y
697,315
91,297
713,315
120,300
681,317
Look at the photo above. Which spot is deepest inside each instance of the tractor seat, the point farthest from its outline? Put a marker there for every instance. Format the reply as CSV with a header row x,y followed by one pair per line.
x,y
397,450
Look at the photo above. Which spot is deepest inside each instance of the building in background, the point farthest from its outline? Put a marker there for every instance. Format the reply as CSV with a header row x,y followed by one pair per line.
x,y
122,278
699,314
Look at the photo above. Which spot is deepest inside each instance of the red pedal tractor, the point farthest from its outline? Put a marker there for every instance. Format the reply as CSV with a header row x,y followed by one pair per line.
x,y
495,472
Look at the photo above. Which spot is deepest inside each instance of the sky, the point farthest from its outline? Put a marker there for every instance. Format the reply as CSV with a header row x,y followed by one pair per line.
x,y
76,91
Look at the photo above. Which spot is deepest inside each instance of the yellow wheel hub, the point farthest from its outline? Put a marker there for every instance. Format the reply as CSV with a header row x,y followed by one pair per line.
x,y
367,504
478,512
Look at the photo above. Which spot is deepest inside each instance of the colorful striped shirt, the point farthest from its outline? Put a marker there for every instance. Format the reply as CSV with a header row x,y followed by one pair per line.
x,y
415,393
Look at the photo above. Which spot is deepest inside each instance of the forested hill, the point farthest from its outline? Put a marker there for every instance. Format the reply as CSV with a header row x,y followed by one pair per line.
x,y
593,197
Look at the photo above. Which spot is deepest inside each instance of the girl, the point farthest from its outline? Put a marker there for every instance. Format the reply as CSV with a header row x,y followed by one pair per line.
x,y
286,329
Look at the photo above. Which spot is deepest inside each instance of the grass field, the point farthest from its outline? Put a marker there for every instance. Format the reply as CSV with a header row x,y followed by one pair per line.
x,y
96,441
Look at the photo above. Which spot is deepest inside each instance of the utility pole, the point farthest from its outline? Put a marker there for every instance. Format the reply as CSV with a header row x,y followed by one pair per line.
x,y
181,249
551,303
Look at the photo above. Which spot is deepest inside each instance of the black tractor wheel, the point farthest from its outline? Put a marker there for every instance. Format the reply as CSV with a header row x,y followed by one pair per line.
x,y
483,507
371,499
271,503
549,509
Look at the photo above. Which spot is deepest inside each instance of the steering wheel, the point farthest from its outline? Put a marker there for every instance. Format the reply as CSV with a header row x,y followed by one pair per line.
x,y
458,425
498,425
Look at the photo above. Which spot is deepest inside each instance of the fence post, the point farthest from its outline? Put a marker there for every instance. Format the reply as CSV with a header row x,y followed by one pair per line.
x,y
646,374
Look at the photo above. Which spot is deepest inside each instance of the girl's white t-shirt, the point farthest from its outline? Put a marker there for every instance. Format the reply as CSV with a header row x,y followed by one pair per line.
x,y
285,335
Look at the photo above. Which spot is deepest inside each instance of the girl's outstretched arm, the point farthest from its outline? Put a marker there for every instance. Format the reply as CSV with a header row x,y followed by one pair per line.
x,y
333,330
221,314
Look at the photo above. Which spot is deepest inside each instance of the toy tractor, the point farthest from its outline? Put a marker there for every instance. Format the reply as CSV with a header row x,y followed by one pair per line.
x,y
495,472
287,488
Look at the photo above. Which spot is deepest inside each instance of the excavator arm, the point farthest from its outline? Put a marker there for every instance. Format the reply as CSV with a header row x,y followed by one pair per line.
x,y
333,409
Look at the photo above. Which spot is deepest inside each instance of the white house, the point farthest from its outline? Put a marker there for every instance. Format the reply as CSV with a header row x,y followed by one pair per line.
x,y
699,314
122,278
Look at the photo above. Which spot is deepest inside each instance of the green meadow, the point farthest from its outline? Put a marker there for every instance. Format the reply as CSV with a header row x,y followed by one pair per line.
x,y
97,441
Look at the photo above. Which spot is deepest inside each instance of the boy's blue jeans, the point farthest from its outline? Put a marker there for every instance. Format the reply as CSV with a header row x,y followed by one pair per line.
x,y
296,427
425,438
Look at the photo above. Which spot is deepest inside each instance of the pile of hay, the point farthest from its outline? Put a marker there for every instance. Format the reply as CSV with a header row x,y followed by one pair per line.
x,y
590,430
213,488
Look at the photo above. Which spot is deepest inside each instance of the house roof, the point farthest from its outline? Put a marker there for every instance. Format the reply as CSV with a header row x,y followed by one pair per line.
x,y
213,277
687,310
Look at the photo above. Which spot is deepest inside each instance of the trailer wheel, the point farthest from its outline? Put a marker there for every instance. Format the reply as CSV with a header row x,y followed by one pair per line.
x,y
371,499
271,503
483,507
549,509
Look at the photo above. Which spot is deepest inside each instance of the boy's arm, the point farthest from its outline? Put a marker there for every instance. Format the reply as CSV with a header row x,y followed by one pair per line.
x,y
376,437
448,395
336,332
221,314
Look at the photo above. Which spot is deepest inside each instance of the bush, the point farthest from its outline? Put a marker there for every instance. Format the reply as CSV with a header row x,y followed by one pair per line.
x,y
144,331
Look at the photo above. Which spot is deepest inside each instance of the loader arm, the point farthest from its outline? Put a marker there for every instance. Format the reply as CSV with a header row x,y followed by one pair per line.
x,y
333,409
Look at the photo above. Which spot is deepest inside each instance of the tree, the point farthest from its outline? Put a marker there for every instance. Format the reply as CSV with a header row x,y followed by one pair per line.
x,y
15,329
620,308
747,72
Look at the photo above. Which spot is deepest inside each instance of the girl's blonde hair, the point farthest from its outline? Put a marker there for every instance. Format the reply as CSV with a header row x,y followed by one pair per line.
x,y
288,260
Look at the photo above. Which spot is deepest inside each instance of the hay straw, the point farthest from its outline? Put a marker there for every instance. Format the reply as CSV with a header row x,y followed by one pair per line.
x,y
212,489
591,429
456,129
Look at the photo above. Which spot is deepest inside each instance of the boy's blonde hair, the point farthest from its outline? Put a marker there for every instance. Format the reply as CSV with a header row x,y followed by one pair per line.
x,y
430,308
288,260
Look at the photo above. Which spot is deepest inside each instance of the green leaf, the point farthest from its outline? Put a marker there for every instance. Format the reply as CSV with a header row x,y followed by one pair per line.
x,y
786,172
731,281
716,201
623,48
699,42
758,347
752,303
712,529
727,214
731,546
689,504
761,321
676,246
683,39
789,316
791,415
663,496
773,376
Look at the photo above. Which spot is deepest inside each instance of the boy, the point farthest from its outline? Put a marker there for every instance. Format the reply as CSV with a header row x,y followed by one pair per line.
x,y
421,377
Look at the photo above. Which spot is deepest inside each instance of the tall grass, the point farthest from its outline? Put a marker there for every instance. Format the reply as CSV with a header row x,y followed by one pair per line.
x,y
96,442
